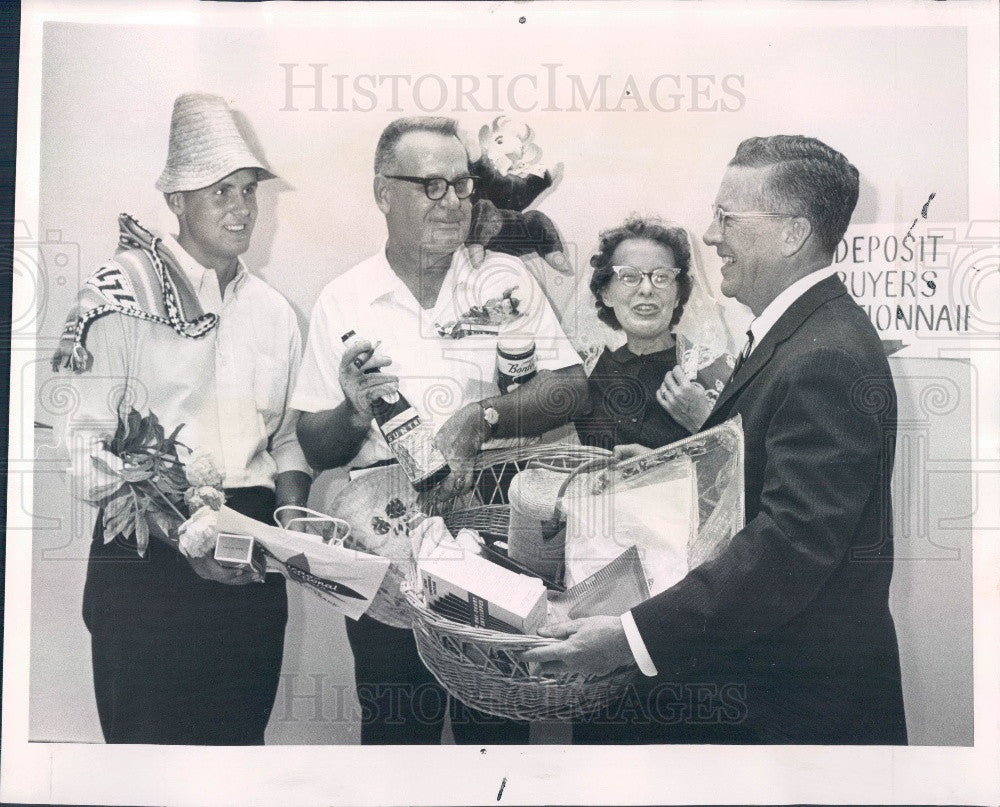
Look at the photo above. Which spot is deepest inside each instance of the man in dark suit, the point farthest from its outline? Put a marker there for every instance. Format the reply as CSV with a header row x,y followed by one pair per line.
x,y
785,637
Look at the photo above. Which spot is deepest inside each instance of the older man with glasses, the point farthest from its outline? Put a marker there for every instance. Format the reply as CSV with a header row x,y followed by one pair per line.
x,y
404,297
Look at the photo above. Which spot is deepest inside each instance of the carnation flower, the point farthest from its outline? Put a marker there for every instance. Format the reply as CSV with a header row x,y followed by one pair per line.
x,y
201,470
204,496
197,534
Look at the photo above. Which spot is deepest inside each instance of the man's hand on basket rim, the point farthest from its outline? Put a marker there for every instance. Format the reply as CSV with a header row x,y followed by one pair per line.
x,y
594,644
630,451
460,439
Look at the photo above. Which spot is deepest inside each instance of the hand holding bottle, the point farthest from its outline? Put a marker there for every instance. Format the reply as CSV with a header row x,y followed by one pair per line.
x,y
409,439
358,379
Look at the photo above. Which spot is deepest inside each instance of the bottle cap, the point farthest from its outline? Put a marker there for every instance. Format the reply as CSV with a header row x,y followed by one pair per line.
x,y
514,342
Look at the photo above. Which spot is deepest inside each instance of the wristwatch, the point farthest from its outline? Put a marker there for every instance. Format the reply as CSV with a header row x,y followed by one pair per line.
x,y
492,418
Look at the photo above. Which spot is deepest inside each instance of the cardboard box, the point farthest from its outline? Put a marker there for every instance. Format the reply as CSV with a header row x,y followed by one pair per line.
x,y
468,588
239,552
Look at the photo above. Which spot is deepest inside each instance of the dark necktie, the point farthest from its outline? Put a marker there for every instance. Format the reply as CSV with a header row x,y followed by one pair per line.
x,y
744,354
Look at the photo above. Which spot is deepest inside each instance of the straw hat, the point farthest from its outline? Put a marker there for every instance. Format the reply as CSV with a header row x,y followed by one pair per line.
x,y
205,145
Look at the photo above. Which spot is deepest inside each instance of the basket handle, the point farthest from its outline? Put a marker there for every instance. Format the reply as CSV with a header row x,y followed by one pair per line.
x,y
584,468
314,517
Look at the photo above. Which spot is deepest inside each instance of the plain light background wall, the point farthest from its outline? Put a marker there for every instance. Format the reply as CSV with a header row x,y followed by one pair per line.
x,y
107,98
873,94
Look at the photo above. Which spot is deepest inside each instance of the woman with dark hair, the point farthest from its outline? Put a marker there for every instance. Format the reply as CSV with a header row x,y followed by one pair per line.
x,y
638,393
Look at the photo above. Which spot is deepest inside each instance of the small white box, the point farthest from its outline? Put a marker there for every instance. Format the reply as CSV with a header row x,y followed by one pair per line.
x,y
239,552
480,592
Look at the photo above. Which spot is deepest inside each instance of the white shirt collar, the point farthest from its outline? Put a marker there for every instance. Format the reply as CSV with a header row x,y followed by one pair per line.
x,y
195,272
386,282
780,304
382,281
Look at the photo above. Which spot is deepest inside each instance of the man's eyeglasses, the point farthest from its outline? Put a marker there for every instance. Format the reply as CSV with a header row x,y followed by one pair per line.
x,y
437,187
721,215
660,278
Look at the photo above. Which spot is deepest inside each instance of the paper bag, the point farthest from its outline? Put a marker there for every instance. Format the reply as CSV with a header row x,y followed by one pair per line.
x,y
344,578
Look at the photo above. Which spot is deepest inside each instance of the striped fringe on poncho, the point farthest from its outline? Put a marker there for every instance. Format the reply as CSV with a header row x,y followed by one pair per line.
x,y
143,280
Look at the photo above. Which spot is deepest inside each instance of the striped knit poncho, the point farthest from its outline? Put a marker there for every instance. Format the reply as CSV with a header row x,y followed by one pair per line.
x,y
143,280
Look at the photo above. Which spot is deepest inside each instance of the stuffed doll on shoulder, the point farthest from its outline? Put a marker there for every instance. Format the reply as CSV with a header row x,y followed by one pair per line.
x,y
511,176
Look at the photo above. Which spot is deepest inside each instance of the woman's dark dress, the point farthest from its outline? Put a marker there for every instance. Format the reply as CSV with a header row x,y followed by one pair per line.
x,y
624,408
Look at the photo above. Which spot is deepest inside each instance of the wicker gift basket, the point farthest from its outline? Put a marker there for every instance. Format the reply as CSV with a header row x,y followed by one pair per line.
x,y
482,667
378,505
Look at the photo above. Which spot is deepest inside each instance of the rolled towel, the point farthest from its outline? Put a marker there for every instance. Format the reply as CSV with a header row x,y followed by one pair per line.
x,y
536,537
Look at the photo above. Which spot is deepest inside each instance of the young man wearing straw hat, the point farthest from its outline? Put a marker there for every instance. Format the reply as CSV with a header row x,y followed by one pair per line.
x,y
186,651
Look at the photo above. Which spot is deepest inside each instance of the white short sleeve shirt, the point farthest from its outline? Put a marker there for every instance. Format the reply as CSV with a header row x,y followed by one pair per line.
x,y
230,388
438,374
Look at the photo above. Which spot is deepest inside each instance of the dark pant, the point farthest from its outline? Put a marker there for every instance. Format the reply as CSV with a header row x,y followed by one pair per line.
x,y
179,659
402,703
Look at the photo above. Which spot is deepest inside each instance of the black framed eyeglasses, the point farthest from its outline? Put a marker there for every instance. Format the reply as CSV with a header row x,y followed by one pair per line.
x,y
660,278
437,187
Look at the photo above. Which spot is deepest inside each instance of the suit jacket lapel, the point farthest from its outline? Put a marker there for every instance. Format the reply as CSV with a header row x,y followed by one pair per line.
x,y
787,324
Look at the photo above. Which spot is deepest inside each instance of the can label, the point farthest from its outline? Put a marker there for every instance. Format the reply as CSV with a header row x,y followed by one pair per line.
x,y
514,369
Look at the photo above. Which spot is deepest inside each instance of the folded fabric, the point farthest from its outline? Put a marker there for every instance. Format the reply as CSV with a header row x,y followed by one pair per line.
x,y
142,280
660,519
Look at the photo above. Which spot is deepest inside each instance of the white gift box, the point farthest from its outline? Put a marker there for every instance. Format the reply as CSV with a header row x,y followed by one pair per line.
x,y
469,588
239,552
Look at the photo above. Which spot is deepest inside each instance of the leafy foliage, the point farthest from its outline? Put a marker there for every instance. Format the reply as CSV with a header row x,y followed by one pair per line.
x,y
151,484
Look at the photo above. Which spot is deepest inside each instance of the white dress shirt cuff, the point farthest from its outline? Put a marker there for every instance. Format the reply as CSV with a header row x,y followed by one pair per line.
x,y
638,647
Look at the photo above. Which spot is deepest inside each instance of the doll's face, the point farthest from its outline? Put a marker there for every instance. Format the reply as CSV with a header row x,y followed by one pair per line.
x,y
509,146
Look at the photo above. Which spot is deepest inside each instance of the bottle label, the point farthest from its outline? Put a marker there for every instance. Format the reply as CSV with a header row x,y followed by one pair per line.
x,y
412,443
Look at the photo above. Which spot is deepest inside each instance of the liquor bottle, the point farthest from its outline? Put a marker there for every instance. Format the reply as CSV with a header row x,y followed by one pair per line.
x,y
516,361
410,440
